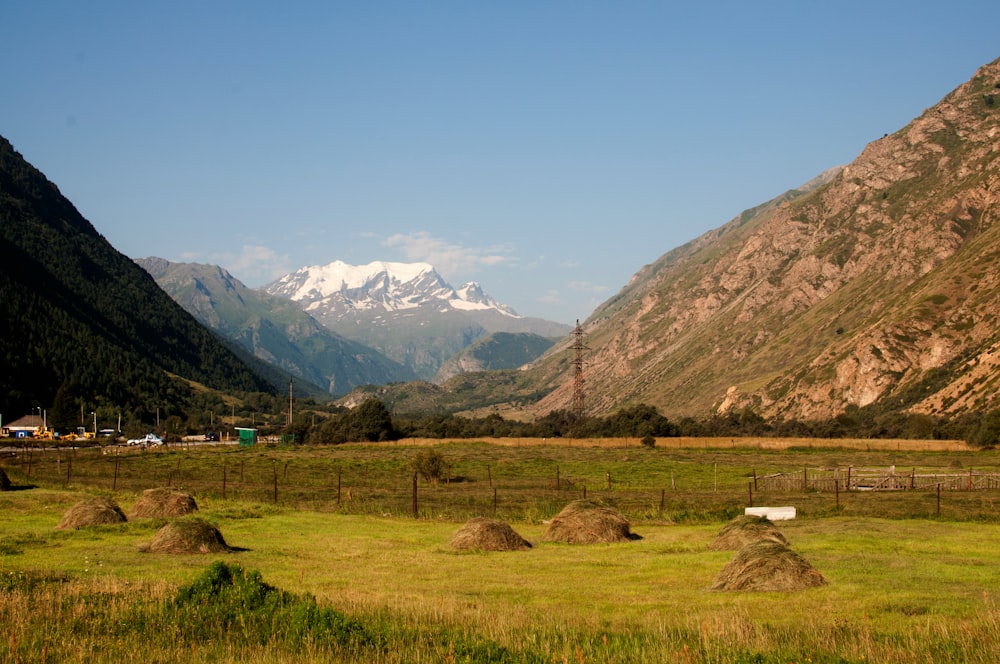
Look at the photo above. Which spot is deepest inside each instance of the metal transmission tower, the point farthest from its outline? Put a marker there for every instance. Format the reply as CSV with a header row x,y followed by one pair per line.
x,y
578,347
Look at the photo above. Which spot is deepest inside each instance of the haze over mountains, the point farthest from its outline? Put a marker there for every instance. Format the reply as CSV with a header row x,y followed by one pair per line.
x,y
875,286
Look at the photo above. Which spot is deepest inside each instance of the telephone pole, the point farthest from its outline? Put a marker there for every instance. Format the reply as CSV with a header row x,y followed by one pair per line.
x,y
578,348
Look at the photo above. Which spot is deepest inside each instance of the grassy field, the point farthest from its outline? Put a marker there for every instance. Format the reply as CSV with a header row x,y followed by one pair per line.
x,y
904,585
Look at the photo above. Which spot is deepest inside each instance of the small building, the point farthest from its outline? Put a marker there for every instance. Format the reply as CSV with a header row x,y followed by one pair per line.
x,y
247,437
25,427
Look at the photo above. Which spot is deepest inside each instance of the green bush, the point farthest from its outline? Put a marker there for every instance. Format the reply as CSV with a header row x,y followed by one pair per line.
x,y
431,465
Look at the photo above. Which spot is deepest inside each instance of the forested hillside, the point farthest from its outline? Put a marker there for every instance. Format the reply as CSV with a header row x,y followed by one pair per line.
x,y
82,325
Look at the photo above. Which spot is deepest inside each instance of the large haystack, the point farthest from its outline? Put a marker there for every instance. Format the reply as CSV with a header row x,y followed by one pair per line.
x,y
92,512
768,567
745,530
192,535
5,484
588,522
163,503
488,535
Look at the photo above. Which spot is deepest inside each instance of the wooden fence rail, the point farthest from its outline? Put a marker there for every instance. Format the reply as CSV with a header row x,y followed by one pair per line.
x,y
875,479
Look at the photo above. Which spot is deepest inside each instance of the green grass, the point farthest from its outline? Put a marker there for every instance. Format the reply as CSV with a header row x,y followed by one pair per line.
x,y
904,584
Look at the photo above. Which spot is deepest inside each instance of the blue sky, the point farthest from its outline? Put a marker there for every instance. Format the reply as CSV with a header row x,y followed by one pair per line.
x,y
547,150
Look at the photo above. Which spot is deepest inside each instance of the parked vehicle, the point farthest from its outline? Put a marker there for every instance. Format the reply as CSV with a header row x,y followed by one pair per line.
x,y
149,440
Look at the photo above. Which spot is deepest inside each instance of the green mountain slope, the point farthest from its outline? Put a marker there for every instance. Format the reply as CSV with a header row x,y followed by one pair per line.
x,y
273,329
84,324
502,350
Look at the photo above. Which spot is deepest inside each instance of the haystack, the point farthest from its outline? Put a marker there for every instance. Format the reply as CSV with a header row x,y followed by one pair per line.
x,y
163,503
192,535
92,512
488,535
768,567
744,530
5,484
588,522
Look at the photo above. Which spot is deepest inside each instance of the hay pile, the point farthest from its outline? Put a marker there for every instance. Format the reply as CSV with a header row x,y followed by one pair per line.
x,y
92,512
5,484
488,535
188,536
588,522
163,503
745,530
768,567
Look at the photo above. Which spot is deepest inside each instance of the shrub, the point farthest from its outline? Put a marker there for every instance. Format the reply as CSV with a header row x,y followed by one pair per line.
x,y
230,603
431,465
648,441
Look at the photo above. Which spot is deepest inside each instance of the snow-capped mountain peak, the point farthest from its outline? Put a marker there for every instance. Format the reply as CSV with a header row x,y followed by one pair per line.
x,y
379,285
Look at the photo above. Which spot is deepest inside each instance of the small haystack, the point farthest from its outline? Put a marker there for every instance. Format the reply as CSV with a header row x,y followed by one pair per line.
x,y
5,484
163,503
744,530
768,567
488,535
92,512
188,536
588,522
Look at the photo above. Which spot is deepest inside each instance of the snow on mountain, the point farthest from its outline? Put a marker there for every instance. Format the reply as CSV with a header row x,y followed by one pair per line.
x,y
379,285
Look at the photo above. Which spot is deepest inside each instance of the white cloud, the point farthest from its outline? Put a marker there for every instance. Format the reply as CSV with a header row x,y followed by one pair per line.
x,y
449,259
588,287
254,265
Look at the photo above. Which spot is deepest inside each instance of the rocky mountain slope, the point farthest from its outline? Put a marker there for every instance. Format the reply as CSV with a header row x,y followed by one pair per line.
x,y
404,310
878,285
273,328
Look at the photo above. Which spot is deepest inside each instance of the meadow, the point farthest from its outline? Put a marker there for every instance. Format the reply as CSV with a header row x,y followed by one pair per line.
x,y
368,579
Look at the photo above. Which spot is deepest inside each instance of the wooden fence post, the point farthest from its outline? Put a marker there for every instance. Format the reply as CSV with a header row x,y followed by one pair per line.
x,y
69,469
939,499
609,481
557,478
114,483
223,480
494,501
836,490
415,506
805,480
750,486
663,500
489,474
275,486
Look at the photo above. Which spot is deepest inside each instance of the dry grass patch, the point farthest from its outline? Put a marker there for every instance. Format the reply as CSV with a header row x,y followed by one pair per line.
x,y
163,503
765,566
188,536
744,530
589,522
485,534
92,512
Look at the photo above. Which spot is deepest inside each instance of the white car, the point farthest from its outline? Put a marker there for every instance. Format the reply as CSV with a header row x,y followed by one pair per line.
x,y
150,439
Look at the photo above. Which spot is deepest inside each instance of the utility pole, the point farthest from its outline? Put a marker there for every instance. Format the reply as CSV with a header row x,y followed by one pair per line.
x,y
289,402
578,347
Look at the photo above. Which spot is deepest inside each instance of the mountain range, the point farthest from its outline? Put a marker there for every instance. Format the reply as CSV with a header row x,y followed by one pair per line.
x,y
404,310
873,288
273,329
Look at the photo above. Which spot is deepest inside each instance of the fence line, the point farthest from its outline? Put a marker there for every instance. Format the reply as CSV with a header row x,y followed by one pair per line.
x,y
851,478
